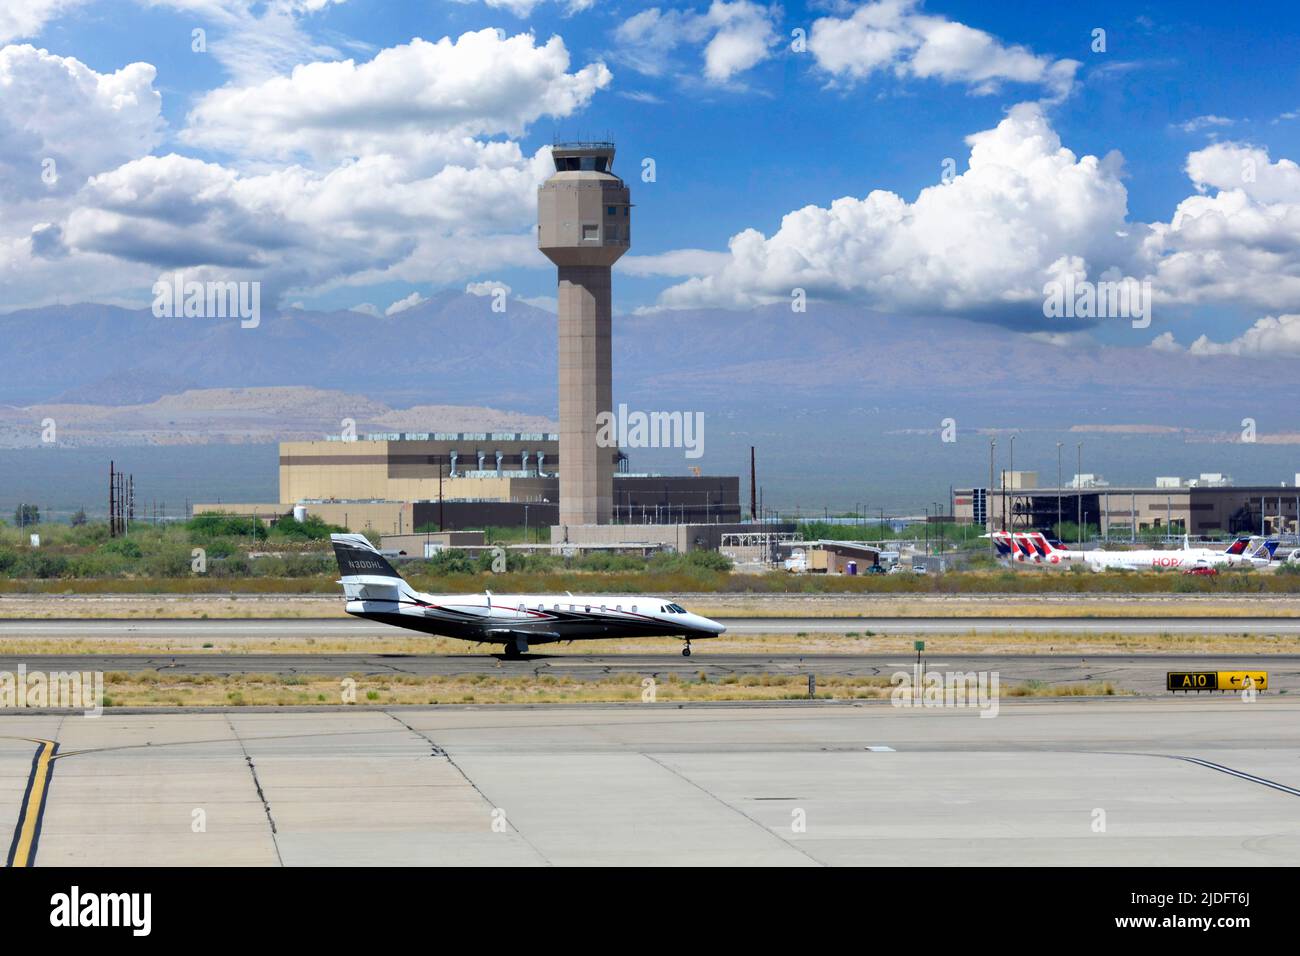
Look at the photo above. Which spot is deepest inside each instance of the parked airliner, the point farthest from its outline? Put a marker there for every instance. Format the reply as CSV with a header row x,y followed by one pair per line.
x,y
375,591
1034,546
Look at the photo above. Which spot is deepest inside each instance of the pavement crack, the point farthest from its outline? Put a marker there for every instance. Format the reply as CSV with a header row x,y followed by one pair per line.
x,y
734,809
442,752
261,795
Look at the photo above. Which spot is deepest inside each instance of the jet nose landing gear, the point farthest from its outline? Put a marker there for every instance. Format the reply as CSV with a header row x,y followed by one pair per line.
x,y
686,651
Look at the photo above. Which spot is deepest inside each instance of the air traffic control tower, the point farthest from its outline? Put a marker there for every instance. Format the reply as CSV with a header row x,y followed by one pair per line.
x,y
584,224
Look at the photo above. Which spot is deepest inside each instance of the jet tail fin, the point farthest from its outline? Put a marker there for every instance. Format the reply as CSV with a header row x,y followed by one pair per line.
x,y
1238,546
365,573
1261,549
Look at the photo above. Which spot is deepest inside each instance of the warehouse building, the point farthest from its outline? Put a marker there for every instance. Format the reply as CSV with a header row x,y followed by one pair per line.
x,y
1210,503
406,482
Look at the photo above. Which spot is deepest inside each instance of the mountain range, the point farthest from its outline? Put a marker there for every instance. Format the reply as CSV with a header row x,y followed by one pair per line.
x,y
768,371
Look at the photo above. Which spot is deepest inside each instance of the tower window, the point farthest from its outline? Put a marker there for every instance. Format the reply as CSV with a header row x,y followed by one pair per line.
x,y
590,231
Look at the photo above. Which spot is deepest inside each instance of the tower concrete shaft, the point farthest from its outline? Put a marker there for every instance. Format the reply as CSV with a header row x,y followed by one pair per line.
x,y
583,225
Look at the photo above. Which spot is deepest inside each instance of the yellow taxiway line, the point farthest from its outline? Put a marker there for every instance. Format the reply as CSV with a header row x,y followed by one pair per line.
x,y
27,832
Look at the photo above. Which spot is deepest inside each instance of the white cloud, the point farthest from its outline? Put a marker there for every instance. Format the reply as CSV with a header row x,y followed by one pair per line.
x,y
401,305
1270,337
524,8
1164,342
20,19
1204,122
678,262
486,287
736,36
57,108
1233,166
984,243
420,98
1236,241
894,35
366,308
1026,211
390,184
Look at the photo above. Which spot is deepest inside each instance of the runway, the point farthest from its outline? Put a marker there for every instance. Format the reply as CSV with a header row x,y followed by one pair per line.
x,y
199,630
1203,782
1143,673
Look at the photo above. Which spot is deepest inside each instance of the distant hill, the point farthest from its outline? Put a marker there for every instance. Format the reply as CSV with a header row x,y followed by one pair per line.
x,y
245,416
765,370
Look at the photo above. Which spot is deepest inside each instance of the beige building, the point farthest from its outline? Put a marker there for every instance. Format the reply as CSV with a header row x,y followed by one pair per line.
x,y
1192,509
463,466
398,484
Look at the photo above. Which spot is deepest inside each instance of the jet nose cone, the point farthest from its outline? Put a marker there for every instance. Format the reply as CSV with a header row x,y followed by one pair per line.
x,y
715,627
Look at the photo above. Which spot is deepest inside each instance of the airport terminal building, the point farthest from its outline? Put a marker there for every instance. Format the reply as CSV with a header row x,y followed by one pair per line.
x,y
1196,506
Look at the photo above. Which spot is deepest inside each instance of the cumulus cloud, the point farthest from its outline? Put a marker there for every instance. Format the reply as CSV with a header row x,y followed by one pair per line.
x,y
894,36
1164,342
392,181
1238,239
1270,337
1026,212
60,121
27,18
402,305
415,97
986,242
733,37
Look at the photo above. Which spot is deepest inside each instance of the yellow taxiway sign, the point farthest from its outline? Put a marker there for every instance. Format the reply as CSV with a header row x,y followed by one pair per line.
x,y
1216,680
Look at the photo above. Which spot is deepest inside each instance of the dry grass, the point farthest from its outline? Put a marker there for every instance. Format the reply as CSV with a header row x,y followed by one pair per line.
x,y
152,689
403,642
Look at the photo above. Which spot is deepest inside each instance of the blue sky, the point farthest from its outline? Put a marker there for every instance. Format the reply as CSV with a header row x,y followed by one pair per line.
x,y
743,130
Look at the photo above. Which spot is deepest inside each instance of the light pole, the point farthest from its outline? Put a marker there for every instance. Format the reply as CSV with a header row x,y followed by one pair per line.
x,y
988,499
1057,529
1011,469
1078,496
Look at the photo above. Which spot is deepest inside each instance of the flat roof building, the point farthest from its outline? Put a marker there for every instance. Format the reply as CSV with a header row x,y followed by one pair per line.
x,y
1195,507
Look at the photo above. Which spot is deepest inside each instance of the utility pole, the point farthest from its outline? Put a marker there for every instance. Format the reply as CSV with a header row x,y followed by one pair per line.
x,y
753,487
